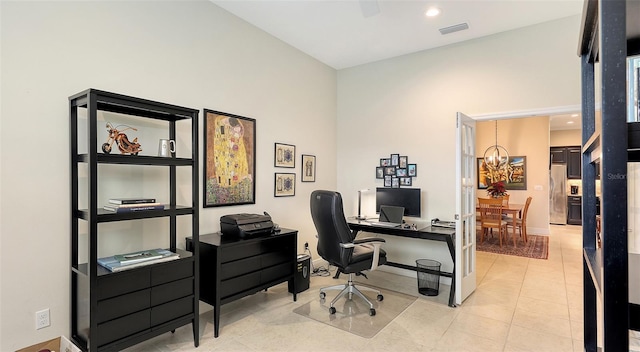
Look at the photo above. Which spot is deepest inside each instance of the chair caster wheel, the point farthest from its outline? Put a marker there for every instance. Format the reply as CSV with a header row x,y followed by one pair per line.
x,y
380,298
372,312
332,310
322,295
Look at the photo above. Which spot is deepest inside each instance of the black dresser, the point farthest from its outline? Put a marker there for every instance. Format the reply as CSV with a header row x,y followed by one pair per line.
x,y
233,267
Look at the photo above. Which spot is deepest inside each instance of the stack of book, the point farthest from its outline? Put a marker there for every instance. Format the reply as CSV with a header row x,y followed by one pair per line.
x,y
136,259
127,205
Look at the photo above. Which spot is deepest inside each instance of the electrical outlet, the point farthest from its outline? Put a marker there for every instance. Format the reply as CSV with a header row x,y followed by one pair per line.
x,y
306,245
42,319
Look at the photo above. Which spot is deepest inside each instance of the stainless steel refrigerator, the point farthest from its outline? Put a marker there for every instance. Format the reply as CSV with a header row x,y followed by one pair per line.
x,y
558,194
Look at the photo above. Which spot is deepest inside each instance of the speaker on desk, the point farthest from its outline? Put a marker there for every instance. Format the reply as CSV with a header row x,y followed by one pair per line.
x,y
302,274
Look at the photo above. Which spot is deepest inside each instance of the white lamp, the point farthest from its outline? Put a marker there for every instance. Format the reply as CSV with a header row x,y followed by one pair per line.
x,y
360,216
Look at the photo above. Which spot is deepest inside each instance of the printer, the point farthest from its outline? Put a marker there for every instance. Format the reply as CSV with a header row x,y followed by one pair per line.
x,y
246,225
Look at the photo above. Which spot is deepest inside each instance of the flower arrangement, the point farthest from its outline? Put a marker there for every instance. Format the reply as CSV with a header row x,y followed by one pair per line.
x,y
497,189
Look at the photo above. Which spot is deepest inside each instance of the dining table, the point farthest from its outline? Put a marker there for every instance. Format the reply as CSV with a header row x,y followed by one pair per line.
x,y
511,209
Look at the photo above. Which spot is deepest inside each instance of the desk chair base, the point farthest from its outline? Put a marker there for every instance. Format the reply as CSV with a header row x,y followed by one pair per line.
x,y
350,289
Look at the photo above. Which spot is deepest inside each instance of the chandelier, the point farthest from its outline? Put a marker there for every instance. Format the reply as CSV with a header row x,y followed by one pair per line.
x,y
496,156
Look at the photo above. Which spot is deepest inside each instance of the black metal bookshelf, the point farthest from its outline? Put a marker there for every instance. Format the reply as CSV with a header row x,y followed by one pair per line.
x,y
610,33
114,310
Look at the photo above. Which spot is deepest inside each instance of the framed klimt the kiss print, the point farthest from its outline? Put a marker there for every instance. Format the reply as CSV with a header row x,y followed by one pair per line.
x,y
230,159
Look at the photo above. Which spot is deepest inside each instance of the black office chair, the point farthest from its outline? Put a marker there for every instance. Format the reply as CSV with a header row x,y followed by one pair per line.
x,y
338,246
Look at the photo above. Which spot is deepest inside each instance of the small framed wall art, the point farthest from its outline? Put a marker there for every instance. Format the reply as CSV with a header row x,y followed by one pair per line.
x,y
308,168
284,155
285,185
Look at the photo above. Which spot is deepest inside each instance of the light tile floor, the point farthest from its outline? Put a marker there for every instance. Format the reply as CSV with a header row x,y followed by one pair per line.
x,y
520,304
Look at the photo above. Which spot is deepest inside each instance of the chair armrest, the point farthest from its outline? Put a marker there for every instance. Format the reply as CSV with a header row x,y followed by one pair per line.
x,y
375,241
369,240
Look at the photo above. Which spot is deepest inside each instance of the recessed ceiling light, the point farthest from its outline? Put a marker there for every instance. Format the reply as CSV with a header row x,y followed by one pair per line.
x,y
569,122
432,12
574,115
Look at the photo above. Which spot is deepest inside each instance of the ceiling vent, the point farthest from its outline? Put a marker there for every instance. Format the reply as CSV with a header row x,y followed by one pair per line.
x,y
454,28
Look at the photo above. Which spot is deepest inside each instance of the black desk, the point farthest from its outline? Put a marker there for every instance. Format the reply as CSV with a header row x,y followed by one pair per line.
x,y
232,267
432,233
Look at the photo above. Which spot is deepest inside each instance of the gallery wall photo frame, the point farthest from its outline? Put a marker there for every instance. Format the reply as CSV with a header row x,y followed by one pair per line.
x,y
284,155
412,170
514,175
285,184
395,159
229,176
308,168
403,160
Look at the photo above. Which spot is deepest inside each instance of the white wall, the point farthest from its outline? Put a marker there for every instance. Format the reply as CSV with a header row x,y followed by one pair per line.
x,y
563,138
408,105
186,53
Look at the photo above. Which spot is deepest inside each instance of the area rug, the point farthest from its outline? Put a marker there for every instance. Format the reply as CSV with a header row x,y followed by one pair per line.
x,y
353,315
537,247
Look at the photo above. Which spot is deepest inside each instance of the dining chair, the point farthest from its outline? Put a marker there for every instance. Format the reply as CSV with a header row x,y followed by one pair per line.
x,y
521,222
491,217
505,200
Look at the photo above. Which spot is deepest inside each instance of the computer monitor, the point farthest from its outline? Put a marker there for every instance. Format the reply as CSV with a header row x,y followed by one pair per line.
x,y
390,213
408,198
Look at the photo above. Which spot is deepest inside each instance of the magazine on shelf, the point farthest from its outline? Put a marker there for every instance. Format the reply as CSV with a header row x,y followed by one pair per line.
x,y
139,256
131,200
135,205
129,209
113,264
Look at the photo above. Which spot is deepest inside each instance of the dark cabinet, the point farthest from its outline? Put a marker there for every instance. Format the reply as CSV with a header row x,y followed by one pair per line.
x,y
558,155
574,210
232,267
574,163
111,311
571,156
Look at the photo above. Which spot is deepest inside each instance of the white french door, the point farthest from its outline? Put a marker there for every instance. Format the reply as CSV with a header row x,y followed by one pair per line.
x,y
465,207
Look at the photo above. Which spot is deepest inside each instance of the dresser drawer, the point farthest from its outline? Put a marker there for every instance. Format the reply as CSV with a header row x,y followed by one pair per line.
x,y
123,327
239,267
117,284
273,258
276,272
239,284
122,305
171,271
171,310
173,290
240,251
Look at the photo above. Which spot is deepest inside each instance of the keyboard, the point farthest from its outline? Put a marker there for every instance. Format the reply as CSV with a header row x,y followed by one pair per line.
x,y
384,224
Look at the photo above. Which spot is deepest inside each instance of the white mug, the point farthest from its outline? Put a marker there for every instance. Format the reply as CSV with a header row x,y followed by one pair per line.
x,y
166,147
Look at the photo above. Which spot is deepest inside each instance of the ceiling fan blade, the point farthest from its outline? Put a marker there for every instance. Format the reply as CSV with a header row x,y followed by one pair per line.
x,y
369,7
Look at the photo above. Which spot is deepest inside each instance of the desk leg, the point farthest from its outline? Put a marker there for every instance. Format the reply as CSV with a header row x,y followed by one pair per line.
x,y
452,292
216,319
